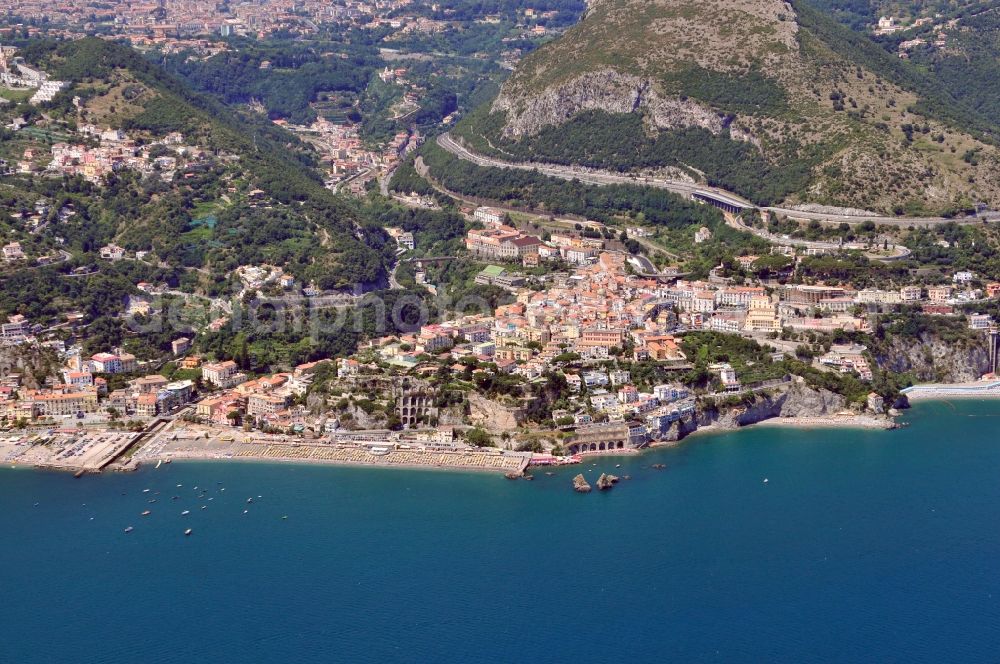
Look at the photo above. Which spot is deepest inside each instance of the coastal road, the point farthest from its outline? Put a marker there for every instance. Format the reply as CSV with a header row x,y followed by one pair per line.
x,y
686,189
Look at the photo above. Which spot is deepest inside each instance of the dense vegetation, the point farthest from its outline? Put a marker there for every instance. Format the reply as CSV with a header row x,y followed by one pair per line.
x,y
753,363
533,190
935,100
751,93
406,180
285,77
970,65
858,15
621,142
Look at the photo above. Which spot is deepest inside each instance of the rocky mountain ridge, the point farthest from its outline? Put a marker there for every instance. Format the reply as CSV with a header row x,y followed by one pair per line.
x,y
836,119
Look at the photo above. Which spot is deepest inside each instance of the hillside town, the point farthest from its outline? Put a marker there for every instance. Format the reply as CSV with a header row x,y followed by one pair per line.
x,y
347,158
579,325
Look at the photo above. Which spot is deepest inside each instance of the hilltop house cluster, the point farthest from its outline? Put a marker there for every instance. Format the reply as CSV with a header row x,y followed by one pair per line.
x,y
115,151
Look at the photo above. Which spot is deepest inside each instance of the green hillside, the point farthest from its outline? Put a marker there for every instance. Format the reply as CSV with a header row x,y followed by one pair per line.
x,y
775,101
317,235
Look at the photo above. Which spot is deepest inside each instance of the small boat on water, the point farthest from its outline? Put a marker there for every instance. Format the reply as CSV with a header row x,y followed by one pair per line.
x,y
129,529
249,500
145,490
187,533
245,511
146,513
204,507
185,512
158,462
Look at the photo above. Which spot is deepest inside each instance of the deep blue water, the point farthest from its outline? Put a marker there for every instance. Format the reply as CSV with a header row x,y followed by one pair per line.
x,y
863,546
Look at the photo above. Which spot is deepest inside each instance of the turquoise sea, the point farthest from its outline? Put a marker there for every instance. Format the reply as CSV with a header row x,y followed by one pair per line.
x,y
862,546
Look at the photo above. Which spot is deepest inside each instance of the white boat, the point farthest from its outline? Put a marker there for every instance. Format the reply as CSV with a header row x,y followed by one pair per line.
x,y
129,529
188,532
159,462
185,512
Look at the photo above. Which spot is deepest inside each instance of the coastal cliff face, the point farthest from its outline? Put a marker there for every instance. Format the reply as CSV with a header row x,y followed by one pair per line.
x,y
798,400
935,360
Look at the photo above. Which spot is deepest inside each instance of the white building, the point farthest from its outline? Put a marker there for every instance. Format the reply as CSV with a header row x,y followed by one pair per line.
x,y
13,251
15,330
489,216
47,91
980,321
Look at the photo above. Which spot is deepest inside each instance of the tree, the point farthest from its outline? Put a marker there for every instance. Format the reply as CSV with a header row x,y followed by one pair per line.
x,y
478,437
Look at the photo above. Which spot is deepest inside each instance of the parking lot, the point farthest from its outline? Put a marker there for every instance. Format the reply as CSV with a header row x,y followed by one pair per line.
x,y
64,449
